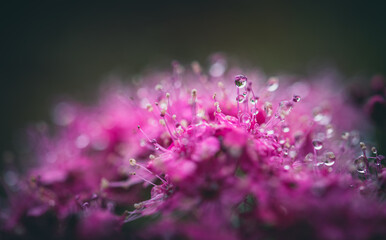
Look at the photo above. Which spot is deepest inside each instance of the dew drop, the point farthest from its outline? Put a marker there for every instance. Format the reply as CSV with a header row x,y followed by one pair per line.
x,y
240,98
309,157
374,150
285,107
240,81
329,131
285,128
285,151
268,108
273,84
245,118
355,138
253,100
85,205
245,94
142,142
292,153
296,98
360,165
329,159
345,135
94,196
317,144
270,132
322,116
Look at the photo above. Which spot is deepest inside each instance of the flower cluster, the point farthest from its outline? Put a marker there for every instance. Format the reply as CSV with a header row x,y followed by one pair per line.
x,y
195,156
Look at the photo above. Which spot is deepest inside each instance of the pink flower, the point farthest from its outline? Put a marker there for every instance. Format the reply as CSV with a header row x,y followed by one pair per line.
x,y
213,156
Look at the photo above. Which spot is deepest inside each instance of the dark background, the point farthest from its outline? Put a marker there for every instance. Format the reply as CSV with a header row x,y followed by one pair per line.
x,y
55,48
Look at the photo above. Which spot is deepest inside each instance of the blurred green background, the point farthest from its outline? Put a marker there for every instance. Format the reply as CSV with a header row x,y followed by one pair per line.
x,y
55,48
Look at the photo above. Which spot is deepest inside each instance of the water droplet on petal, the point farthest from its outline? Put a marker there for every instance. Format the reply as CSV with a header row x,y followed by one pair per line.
x,y
245,94
317,144
240,81
240,98
273,84
296,98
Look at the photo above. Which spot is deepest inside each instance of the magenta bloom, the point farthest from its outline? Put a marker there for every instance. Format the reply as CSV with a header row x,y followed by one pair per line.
x,y
194,156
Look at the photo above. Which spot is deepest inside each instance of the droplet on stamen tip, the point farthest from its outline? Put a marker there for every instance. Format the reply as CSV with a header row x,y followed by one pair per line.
x,y
317,144
94,196
273,84
360,165
268,108
270,132
241,81
245,118
329,131
285,151
345,135
329,159
240,98
253,100
285,128
296,98
85,205
374,150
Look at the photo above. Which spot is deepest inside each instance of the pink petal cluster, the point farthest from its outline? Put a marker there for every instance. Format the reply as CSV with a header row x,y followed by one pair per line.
x,y
195,156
